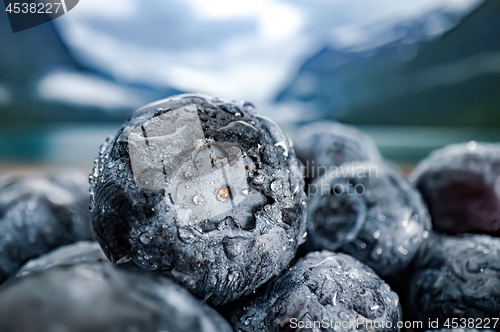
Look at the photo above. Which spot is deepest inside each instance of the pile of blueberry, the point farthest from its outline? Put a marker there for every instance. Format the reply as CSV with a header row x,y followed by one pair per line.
x,y
204,217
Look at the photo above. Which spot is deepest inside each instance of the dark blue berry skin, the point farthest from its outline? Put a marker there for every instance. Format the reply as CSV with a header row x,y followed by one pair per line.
x,y
77,289
323,145
40,214
138,210
457,277
73,254
322,286
460,184
371,212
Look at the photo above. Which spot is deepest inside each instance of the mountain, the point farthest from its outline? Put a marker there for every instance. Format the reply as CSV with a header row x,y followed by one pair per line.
x,y
453,79
42,83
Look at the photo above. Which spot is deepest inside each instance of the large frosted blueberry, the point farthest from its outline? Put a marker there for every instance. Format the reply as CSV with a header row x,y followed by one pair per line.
x,y
457,277
461,185
324,145
369,211
322,292
205,191
77,289
38,214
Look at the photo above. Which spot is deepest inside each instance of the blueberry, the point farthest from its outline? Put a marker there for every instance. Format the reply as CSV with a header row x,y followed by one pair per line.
x,y
77,289
369,211
457,277
40,214
321,146
461,184
73,254
203,190
325,287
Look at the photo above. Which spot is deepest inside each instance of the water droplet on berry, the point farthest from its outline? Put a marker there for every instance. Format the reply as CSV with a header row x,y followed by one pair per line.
x,y
199,200
146,238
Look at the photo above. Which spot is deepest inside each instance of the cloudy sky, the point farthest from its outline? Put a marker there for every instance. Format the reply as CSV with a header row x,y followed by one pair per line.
x,y
233,49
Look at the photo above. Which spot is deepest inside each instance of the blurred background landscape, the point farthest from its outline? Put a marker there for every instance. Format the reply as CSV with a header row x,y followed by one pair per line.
x,y
416,75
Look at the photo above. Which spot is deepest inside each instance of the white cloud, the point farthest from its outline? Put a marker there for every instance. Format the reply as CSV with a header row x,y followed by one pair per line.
x,y
227,8
238,49
86,90
107,9
279,21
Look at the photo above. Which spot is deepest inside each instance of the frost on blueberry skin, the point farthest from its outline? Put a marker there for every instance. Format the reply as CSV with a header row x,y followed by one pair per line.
x,y
371,212
38,214
77,289
76,253
205,191
461,185
323,286
323,145
457,276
